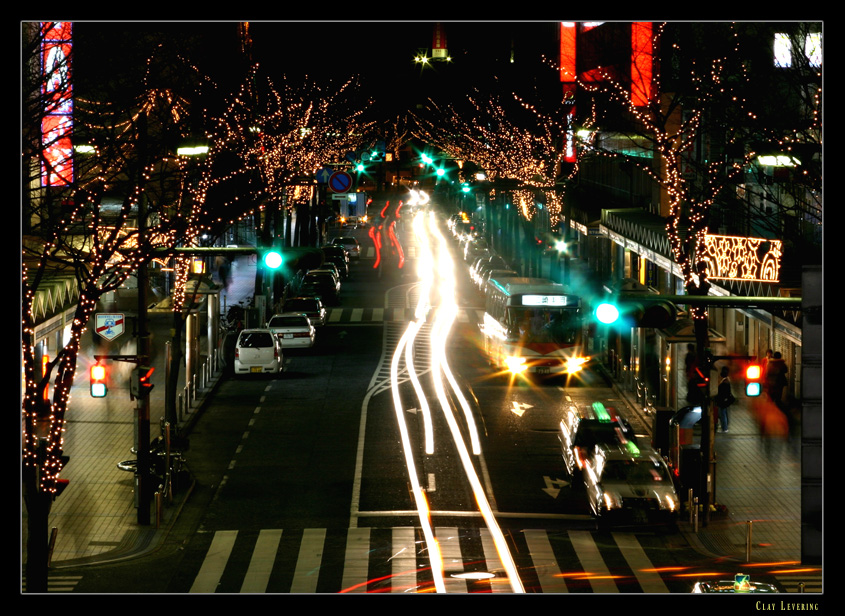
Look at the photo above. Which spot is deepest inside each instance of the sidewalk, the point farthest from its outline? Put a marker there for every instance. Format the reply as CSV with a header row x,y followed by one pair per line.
x,y
96,518
757,480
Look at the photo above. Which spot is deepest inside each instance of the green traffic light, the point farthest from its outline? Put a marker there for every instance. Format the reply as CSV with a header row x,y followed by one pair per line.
x,y
273,259
607,313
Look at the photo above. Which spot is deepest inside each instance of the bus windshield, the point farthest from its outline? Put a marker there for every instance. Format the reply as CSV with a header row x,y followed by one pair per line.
x,y
558,325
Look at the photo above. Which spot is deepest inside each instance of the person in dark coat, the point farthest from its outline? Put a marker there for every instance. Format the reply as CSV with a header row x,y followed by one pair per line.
x,y
724,398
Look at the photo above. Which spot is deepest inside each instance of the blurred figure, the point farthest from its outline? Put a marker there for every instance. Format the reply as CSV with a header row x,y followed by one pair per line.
x,y
776,382
773,425
724,398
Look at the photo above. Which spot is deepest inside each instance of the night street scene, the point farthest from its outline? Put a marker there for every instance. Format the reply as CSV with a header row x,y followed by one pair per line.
x,y
422,307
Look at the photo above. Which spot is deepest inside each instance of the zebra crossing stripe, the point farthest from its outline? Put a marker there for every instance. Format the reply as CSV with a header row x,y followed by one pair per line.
x,y
453,561
357,313
215,561
378,314
308,564
407,574
494,563
404,560
649,580
545,562
357,563
592,562
261,563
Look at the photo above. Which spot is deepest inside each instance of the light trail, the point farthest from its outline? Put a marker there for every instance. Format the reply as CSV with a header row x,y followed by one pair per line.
x,y
443,322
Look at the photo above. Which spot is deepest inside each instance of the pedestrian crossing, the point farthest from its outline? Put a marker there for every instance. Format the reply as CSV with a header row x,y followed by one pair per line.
x,y
800,583
396,560
57,582
352,316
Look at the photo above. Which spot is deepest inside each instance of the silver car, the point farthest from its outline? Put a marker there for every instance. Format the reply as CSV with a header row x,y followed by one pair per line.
x,y
258,351
631,484
293,329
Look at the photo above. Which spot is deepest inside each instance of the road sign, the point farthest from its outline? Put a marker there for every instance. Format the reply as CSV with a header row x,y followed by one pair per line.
x,y
323,175
340,182
109,325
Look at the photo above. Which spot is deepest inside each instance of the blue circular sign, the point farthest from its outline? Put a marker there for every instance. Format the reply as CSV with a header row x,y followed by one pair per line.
x,y
340,182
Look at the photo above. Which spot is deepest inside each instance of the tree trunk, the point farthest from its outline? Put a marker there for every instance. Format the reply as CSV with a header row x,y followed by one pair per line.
x,y
37,543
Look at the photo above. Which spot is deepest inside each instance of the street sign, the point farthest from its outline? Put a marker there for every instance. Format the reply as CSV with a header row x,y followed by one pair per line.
x,y
323,175
109,325
340,182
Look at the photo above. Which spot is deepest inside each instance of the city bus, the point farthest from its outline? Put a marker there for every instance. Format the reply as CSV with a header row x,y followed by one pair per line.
x,y
532,325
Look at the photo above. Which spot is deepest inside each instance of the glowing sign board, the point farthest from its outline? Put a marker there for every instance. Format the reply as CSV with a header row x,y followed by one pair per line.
x,y
544,300
742,258
57,122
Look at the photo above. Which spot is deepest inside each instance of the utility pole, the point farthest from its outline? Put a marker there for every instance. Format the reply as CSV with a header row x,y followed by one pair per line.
x,y
142,404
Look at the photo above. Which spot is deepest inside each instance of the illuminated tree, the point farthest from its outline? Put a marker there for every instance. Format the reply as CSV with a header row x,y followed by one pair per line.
x,y
83,232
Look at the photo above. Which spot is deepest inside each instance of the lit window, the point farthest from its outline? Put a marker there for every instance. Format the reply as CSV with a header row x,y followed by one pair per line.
x,y
812,49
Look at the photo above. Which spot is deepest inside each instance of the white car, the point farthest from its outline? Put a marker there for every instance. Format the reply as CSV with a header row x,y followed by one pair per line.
x,y
293,329
630,483
351,245
258,351
312,307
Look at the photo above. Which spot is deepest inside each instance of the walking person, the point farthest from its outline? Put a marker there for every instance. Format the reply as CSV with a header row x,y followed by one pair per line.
x,y
724,398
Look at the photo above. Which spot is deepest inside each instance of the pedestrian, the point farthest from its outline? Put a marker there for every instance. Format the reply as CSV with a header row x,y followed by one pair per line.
x,y
724,398
776,381
690,361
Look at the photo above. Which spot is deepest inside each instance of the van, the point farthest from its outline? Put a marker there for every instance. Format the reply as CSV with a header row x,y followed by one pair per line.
x,y
630,484
582,428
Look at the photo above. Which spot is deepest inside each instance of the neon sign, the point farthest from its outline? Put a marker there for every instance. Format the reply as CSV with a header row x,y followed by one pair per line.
x,y
742,258
57,121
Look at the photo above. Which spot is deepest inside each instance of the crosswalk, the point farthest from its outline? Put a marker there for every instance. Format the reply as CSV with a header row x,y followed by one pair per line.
x,y
395,560
346,315
57,582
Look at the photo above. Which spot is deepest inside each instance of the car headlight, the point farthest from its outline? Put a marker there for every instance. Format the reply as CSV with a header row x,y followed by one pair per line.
x,y
516,364
611,500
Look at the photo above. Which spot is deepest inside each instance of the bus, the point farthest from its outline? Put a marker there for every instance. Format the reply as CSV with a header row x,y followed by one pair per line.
x,y
533,325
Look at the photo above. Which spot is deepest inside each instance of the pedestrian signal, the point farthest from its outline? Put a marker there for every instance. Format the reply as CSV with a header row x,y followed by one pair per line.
x,y
140,382
99,389
753,380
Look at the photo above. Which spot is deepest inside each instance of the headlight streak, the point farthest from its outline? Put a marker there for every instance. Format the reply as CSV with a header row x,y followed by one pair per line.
x,y
443,322
423,512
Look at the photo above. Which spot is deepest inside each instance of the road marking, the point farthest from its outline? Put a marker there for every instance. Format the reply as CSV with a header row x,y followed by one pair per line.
x,y
215,561
649,579
592,562
545,562
357,563
308,564
261,563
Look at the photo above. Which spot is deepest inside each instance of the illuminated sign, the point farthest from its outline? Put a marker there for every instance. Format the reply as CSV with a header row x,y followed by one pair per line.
x,y
57,122
544,300
742,258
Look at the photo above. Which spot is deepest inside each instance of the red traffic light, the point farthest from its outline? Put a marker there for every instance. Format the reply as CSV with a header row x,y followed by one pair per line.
x,y
98,374
753,378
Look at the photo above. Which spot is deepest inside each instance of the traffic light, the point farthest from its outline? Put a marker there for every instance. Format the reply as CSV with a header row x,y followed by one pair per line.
x,y
61,484
640,313
140,382
753,380
273,259
98,374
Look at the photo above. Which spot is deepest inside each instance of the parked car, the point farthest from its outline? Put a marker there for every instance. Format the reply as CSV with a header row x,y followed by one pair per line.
x,y
337,256
293,329
351,245
310,306
330,268
258,351
322,287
